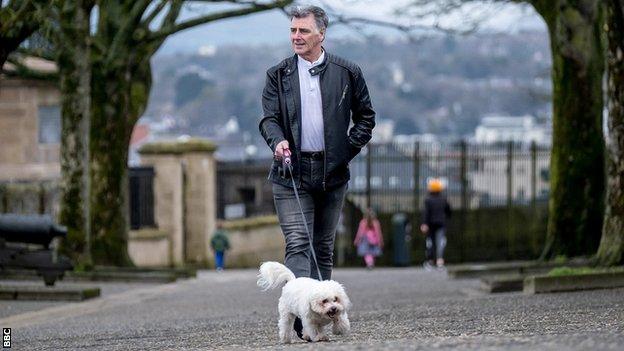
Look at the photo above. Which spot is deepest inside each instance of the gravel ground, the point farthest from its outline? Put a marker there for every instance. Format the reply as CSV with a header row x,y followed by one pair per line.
x,y
393,309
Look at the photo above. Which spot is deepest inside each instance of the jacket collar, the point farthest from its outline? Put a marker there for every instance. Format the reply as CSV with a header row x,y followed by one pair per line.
x,y
291,65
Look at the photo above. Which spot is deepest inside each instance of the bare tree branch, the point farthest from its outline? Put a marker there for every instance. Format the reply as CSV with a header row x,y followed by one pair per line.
x,y
339,17
172,15
154,13
169,28
421,17
406,28
20,70
36,52
127,28
19,20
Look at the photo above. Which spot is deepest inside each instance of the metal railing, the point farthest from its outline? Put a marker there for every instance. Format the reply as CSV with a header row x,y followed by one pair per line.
x,y
141,197
384,176
498,193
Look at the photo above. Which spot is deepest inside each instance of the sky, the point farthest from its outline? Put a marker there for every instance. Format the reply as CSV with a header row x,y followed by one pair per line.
x,y
271,27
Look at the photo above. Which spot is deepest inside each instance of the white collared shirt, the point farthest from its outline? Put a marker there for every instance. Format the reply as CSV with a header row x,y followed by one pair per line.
x,y
312,138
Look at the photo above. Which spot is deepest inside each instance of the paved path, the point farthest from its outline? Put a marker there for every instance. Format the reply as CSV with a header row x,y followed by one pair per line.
x,y
11,307
394,309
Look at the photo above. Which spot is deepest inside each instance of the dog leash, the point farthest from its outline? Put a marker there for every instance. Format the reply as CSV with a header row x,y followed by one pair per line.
x,y
287,162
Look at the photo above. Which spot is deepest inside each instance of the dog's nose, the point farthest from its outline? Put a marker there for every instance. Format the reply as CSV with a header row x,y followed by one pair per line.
x,y
333,309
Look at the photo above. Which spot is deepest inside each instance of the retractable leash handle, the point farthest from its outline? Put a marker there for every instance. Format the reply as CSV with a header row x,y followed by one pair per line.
x,y
287,161
287,164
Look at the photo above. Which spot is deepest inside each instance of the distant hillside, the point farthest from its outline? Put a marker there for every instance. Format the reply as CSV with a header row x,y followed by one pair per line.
x,y
440,85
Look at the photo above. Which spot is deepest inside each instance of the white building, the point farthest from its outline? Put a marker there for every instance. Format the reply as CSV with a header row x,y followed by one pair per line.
x,y
524,129
488,176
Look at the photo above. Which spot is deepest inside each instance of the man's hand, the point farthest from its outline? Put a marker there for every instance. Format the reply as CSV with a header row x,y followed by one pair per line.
x,y
279,149
424,228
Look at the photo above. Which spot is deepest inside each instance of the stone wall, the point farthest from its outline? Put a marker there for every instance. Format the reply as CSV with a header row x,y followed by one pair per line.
x,y
36,197
22,156
253,241
149,248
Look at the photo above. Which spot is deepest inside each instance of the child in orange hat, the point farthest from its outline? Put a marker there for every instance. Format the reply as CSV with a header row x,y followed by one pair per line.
x,y
435,215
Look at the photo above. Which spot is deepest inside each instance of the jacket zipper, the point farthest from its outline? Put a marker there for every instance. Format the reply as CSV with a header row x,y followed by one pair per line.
x,y
344,93
325,144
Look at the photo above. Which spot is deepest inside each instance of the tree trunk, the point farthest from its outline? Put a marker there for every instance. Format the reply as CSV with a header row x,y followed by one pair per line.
x,y
18,30
4,53
75,73
577,158
119,99
9,44
612,242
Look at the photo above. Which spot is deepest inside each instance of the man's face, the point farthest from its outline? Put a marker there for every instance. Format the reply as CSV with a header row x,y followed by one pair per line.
x,y
305,37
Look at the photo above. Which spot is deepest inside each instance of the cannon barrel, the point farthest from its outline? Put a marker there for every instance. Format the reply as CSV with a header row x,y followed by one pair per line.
x,y
31,229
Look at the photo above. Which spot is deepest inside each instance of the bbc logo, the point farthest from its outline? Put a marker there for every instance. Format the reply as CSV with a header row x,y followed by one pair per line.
x,y
6,338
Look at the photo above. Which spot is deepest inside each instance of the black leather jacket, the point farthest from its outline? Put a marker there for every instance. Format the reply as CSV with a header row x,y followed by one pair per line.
x,y
344,97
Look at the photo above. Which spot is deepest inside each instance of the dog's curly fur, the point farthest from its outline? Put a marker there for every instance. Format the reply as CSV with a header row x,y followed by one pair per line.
x,y
317,303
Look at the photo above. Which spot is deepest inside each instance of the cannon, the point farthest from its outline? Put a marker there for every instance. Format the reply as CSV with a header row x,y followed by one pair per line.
x,y
25,243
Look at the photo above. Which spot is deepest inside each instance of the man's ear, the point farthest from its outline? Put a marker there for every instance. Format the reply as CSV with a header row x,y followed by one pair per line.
x,y
323,34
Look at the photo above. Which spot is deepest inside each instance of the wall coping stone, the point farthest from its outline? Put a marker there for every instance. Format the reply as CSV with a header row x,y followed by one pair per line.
x,y
147,234
178,147
249,223
549,284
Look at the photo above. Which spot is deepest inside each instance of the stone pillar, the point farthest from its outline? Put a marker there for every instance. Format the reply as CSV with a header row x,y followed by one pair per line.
x,y
184,196
200,204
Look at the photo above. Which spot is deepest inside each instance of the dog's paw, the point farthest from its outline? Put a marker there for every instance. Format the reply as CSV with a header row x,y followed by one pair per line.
x,y
285,341
307,337
285,338
341,327
323,338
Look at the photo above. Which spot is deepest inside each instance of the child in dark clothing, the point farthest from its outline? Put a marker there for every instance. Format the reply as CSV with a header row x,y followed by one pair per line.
x,y
437,211
220,244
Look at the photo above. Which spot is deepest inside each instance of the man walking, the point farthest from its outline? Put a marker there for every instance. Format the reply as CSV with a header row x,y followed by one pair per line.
x,y
308,102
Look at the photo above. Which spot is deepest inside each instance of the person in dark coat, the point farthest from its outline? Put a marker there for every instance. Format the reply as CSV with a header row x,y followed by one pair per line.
x,y
437,212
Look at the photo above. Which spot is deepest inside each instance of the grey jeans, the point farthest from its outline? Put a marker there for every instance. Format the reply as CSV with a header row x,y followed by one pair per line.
x,y
322,210
435,243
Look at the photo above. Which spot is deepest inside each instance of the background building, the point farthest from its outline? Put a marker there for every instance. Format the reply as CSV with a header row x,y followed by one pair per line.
x,y
30,126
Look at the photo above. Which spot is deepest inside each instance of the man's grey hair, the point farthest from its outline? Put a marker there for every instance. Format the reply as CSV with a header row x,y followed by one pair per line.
x,y
320,17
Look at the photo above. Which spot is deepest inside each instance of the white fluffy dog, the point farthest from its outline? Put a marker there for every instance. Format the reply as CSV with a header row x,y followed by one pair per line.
x,y
317,303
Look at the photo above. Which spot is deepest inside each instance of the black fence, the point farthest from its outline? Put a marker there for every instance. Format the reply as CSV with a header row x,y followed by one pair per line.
x,y
243,189
393,177
498,193
141,197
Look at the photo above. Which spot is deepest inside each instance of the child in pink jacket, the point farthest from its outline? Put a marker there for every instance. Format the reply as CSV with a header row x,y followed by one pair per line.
x,y
369,240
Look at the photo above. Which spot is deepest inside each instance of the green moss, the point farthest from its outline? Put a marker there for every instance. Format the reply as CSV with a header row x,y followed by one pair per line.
x,y
563,271
83,267
560,259
178,147
250,223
